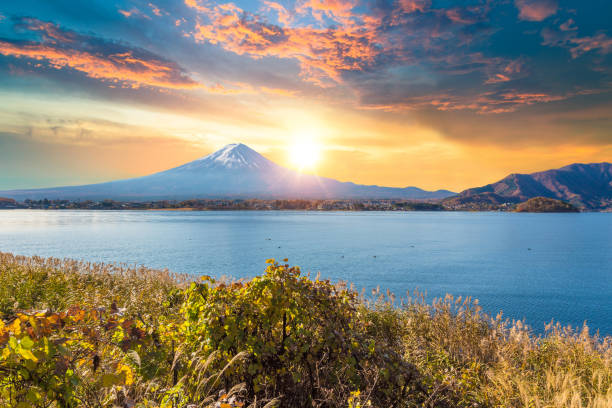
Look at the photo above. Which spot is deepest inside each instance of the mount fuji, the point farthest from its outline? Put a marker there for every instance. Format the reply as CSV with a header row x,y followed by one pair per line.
x,y
235,171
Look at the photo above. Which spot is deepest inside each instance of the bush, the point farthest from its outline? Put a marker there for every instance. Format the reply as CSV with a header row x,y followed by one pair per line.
x,y
74,358
304,340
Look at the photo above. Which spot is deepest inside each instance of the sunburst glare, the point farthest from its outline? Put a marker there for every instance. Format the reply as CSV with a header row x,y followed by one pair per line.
x,y
304,154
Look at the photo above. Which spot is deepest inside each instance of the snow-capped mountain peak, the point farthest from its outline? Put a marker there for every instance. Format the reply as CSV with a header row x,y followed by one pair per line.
x,y
232,156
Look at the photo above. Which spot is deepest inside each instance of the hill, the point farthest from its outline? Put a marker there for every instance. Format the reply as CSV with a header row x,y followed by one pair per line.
x,y
235,171
587,186
480,202
544,204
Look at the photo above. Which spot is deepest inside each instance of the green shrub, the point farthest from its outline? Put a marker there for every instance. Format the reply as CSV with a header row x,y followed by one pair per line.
x,y
74,358
305,340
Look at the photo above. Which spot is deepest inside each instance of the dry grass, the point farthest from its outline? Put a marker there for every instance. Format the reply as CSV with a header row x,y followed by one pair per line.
x,y
470,359
35,283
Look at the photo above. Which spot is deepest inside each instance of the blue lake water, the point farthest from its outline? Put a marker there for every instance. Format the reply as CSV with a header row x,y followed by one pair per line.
x,y
532,266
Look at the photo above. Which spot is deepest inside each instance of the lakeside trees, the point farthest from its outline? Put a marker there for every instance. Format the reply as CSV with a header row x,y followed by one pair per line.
x,y
237,204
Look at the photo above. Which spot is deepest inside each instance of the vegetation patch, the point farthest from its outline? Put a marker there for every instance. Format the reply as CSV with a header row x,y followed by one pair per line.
x,y
76,334
545,204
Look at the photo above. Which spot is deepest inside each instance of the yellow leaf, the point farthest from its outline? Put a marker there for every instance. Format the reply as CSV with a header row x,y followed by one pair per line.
x,y
53,319
27,354
16,327
126,372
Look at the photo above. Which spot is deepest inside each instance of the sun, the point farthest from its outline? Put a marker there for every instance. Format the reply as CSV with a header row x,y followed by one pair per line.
x,y
304,154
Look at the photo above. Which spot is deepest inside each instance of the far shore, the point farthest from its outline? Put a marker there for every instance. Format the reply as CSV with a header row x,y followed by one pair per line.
x,y
192,209
536,205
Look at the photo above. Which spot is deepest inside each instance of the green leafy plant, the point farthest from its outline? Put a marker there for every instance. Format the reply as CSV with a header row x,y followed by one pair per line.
x,y
68,358
303,338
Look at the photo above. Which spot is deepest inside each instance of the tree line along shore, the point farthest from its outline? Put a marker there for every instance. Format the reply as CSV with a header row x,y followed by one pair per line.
x,y
537,204
77,334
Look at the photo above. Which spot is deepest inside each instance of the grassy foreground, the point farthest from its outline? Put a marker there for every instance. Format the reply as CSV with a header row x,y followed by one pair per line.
x,y
77,334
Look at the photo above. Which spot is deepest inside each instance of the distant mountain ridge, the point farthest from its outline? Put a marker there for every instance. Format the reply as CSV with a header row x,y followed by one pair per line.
x,y
235,171
587,186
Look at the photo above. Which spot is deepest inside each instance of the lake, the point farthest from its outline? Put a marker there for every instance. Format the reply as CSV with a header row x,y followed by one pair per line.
x,y
532,266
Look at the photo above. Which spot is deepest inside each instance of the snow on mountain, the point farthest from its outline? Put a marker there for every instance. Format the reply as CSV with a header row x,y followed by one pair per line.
x,y
235,171
232,156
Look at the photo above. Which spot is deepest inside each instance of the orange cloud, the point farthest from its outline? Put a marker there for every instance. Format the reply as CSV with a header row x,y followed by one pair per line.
x,y
134,12
339,10
511,70
410,6
278,91
530,97
498,78
196,5
284,17
242,88
124,67
569,25
156,10
49,31
577,46
357,41
600,42
322,53
96,59
536,10
485,103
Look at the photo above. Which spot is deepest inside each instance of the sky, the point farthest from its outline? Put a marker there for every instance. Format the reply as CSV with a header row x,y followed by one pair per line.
x,y
428,93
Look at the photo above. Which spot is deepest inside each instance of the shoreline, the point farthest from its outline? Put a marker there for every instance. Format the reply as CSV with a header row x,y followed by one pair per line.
x,y
534,205
193,209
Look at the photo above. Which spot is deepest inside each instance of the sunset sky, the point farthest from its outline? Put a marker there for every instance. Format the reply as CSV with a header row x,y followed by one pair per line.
x,y
427,93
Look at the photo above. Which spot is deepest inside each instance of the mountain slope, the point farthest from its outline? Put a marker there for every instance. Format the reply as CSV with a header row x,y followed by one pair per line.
x,y
235,171
587,186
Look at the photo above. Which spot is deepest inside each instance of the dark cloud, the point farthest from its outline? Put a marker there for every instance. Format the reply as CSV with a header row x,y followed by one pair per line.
x,y
358,40
567,37
395,56
576,121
